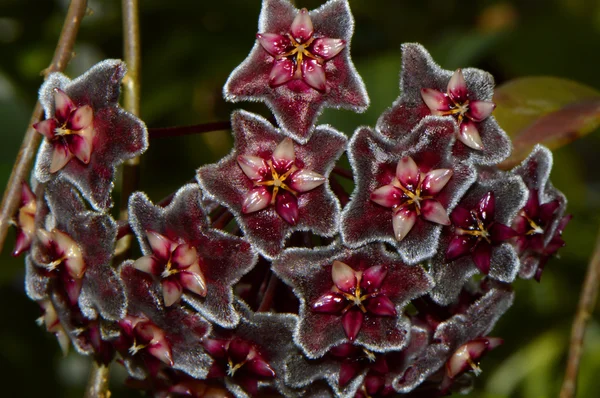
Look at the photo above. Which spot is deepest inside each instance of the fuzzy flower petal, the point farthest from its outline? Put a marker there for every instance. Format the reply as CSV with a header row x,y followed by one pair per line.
x,y
300,64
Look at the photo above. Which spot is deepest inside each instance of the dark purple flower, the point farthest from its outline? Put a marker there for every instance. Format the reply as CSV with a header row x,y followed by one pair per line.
x,y
300,64
541,221
266,167
464,95
25,220
418,178
350,294
479,237
87,133
187,256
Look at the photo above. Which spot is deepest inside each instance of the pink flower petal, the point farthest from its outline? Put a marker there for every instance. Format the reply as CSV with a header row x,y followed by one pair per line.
x,y
284,152
82,118
327,48
161,245
161,351
60,157
348,370
381,306
532,207
253,166
73,289
482,257
547,211
283,71
343,276
71,252
172,291
372,278
480,110
184,255
458,247
402,222
373,383
147,264
329,303
436,101
302,27
257,199
486,207
81,148
46,128
407,172
457,87
63,106
216,348
286,206
305,180
260,367
500,233
520,225
387,196
273,43
313,74
461,217
22,243
239,350
352,323
433,211
193,282
435,180
469,135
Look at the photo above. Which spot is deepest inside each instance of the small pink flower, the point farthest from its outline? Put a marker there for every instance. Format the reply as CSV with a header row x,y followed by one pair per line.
x,y
138,333
70,131
457,102
25,222
299,54
411,194
278,181
176,264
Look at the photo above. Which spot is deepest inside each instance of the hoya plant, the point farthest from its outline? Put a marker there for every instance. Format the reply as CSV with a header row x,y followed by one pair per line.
x,y
308,261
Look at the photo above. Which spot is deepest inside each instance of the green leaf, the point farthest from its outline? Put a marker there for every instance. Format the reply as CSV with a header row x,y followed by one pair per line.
x,y
545,110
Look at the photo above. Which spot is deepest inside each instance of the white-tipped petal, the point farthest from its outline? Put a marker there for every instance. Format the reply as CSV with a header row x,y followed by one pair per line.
x,y
184,255
71,252
62,105
402,222
313,74
282,72
435,100
386,196
469,135
273,43
480,110
60,157
82,118
161,245
171,292
284,152
252,166
407,172
328,48
305,180
344,277
435,180
433,211
302,27
257,199
194,282
457,87
147,264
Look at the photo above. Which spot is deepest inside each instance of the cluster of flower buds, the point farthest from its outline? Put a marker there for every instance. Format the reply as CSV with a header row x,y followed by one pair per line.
x,y
391,290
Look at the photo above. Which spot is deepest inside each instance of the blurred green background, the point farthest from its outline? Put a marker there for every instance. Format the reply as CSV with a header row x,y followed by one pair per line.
x,y
190,46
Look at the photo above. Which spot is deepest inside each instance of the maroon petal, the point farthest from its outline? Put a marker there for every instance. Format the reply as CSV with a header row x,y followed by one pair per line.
x,y
73,289
407,172
520,225
458,247
386,196
374,383
381,306
63,105
46,128
461,217
500,233
532,207
313,74
302,27
373,277
469,135
352,322
172,291
327,48
22,243
286,206
260,367
348,370
329,303
273,43
257,199
282,72
215,347
457,87
343,276
435,100
249,384
486,208
239,350
148,264
482,257
547,211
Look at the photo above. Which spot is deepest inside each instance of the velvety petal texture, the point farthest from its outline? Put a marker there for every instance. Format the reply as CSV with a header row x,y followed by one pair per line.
x,y
266,225
311,274
427,89
222,259
296,88
89,160
380,168
495,200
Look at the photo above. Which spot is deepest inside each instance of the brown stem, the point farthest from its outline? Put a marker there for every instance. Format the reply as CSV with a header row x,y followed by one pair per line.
x,y
165,132
131,99
62,56
269,296
98,382
587,302
343,173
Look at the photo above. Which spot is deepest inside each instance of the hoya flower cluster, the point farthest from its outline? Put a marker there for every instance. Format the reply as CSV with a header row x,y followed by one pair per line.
x,y
392,292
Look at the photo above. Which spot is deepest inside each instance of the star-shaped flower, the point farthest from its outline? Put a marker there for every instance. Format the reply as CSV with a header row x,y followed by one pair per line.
x,y
465,96
87,133
73,248
265,168
417,178
187,256
152,335
355,294
541,221
25,220
300,64
478,240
